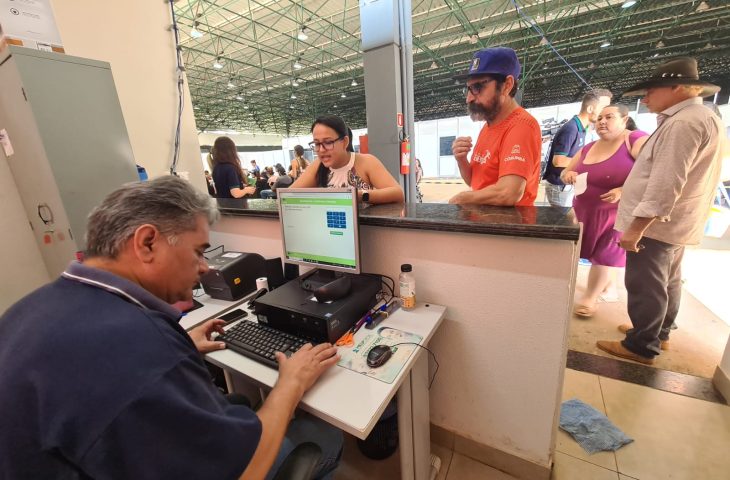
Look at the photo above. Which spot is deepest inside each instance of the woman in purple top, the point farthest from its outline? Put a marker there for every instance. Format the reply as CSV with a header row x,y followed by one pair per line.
x,y
607,162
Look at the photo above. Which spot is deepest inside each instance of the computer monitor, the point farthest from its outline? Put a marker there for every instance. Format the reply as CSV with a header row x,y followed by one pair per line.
x,y
319,228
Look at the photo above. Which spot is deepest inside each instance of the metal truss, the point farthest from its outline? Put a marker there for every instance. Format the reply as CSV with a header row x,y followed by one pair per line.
x,y
258,45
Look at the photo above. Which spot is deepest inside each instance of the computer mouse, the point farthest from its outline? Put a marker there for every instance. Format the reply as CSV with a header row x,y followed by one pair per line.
x,y
334,290
378,355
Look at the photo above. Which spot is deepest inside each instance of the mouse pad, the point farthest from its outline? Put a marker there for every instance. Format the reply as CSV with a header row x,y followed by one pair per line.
x,y
355,358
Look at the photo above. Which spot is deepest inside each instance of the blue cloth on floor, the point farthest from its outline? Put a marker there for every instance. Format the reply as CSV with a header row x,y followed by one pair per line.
x,y
590,428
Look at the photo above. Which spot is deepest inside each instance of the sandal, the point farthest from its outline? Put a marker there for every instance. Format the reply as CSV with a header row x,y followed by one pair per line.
x,y
584,311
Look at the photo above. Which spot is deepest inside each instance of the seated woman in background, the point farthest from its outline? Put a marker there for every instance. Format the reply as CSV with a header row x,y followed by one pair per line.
x,y
230,180
607,162
299,164
338,165
282,181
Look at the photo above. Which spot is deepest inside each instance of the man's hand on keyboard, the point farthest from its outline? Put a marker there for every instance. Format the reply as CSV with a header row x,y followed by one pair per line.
x,y
305,366
201,336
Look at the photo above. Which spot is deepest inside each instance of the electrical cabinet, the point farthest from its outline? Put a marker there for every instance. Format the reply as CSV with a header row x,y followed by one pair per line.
x,y
64,123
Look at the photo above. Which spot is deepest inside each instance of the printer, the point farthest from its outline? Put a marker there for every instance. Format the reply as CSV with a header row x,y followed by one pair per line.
x,y
232,275
292,309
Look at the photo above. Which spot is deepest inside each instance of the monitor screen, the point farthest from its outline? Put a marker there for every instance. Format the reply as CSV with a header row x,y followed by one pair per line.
x,y
319,228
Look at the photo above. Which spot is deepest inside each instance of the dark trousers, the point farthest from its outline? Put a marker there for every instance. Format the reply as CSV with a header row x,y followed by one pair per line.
x,y
654,286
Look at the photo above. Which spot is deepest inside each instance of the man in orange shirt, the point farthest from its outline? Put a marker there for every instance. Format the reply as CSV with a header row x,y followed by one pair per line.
x,y
505,163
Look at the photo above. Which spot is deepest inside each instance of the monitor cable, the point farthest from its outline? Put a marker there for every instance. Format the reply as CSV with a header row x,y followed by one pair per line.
x,y
430,352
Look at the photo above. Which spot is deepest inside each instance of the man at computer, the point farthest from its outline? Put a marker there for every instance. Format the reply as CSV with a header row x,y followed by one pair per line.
x,y
100,381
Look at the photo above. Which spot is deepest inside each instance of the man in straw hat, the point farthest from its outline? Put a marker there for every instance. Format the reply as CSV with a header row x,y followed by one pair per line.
x,y
665,202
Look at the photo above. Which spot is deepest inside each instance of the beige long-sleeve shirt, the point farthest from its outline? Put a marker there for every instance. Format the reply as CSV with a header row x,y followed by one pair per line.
x,y
675,176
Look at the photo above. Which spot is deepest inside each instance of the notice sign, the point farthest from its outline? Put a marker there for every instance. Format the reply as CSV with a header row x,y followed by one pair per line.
x,y
29,23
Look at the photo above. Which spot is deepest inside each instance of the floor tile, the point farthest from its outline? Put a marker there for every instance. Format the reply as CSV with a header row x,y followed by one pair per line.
x,y
696,347
464,468
621,476
586,388
566,467
674,436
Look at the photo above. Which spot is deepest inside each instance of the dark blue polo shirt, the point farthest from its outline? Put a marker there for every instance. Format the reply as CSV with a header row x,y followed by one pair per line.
x,y
98,380
225,177
569,139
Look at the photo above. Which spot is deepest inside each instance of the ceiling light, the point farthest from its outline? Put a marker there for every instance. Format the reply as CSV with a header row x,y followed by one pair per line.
x,y
294,83
605,44
708,46
334,106
354,83
230,84
592,65
297,65
291,106
302,35
218,63
195,107
660,44
434,65
194,32
703,6
474,39
245,107
543,41
457,83
655,55
628,4
343,96
238,97
293,97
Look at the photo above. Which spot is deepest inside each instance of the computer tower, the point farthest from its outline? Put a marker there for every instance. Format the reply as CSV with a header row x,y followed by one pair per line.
x,y
292,309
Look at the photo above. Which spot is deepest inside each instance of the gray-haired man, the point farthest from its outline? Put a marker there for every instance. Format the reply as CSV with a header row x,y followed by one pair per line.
x,y
665,202
99,379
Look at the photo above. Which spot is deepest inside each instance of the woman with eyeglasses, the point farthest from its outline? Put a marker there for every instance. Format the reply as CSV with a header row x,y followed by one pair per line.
x,y
607,162
337,165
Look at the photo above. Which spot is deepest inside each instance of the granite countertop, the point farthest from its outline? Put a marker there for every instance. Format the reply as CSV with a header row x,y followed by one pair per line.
x,y
536,222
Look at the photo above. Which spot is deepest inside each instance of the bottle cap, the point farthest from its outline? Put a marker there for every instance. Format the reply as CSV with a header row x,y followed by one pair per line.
x,y
406,267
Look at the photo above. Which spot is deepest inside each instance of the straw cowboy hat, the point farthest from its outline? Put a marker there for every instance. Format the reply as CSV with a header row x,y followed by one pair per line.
x,y
677,71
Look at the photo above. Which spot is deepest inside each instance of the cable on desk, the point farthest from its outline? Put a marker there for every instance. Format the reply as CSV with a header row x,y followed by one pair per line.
x,y
429,351
221,247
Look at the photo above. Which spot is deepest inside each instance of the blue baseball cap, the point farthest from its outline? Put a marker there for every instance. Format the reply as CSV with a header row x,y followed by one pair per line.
x,y
495,60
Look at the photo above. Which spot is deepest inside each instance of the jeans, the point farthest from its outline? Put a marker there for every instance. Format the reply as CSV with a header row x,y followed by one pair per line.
x,y
654,285
559,195
306,428
267,194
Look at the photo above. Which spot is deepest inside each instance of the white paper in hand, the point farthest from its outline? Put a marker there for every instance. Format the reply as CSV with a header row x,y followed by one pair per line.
x,y
581,183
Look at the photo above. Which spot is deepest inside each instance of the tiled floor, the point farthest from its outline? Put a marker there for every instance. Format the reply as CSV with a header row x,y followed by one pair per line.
x,y
675,437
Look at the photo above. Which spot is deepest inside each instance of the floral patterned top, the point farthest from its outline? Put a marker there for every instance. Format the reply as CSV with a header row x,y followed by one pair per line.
x,y
347,177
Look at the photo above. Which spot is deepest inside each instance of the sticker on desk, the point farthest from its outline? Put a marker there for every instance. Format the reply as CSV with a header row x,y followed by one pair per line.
x,y
355,358
231,255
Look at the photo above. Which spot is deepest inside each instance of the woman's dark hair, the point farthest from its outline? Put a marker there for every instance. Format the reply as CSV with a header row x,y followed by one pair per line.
x,y
224,151
280,169
338,125
299,150
631,124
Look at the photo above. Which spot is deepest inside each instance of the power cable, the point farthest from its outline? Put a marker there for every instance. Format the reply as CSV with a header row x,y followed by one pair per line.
x,y
180,91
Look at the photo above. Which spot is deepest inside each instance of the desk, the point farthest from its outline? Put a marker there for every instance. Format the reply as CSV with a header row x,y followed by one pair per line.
x,y
354,402
212,308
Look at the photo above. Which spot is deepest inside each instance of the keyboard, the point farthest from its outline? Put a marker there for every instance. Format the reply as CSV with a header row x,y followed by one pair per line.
x,y
259,342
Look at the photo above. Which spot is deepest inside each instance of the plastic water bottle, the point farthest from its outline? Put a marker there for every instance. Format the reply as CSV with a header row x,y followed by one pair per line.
x,y
407,287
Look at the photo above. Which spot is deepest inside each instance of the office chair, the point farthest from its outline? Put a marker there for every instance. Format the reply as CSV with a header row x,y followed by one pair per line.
x,y
301,462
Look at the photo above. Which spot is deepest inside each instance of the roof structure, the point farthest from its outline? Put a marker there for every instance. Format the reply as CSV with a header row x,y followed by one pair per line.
x,y
273,65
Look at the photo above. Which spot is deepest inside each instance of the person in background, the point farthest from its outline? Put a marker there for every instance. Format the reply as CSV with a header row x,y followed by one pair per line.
x,y
282,181
254,167
229,178
505,162
606,162
100,381
665,202
567,141
209,182
299,163
261,183
419,176
338,165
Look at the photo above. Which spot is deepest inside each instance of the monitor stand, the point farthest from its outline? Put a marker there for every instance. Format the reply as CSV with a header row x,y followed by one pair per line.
x,y
318,277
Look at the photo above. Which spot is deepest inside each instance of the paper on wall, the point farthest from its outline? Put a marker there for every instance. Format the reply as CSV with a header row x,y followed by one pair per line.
x,y
581,183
